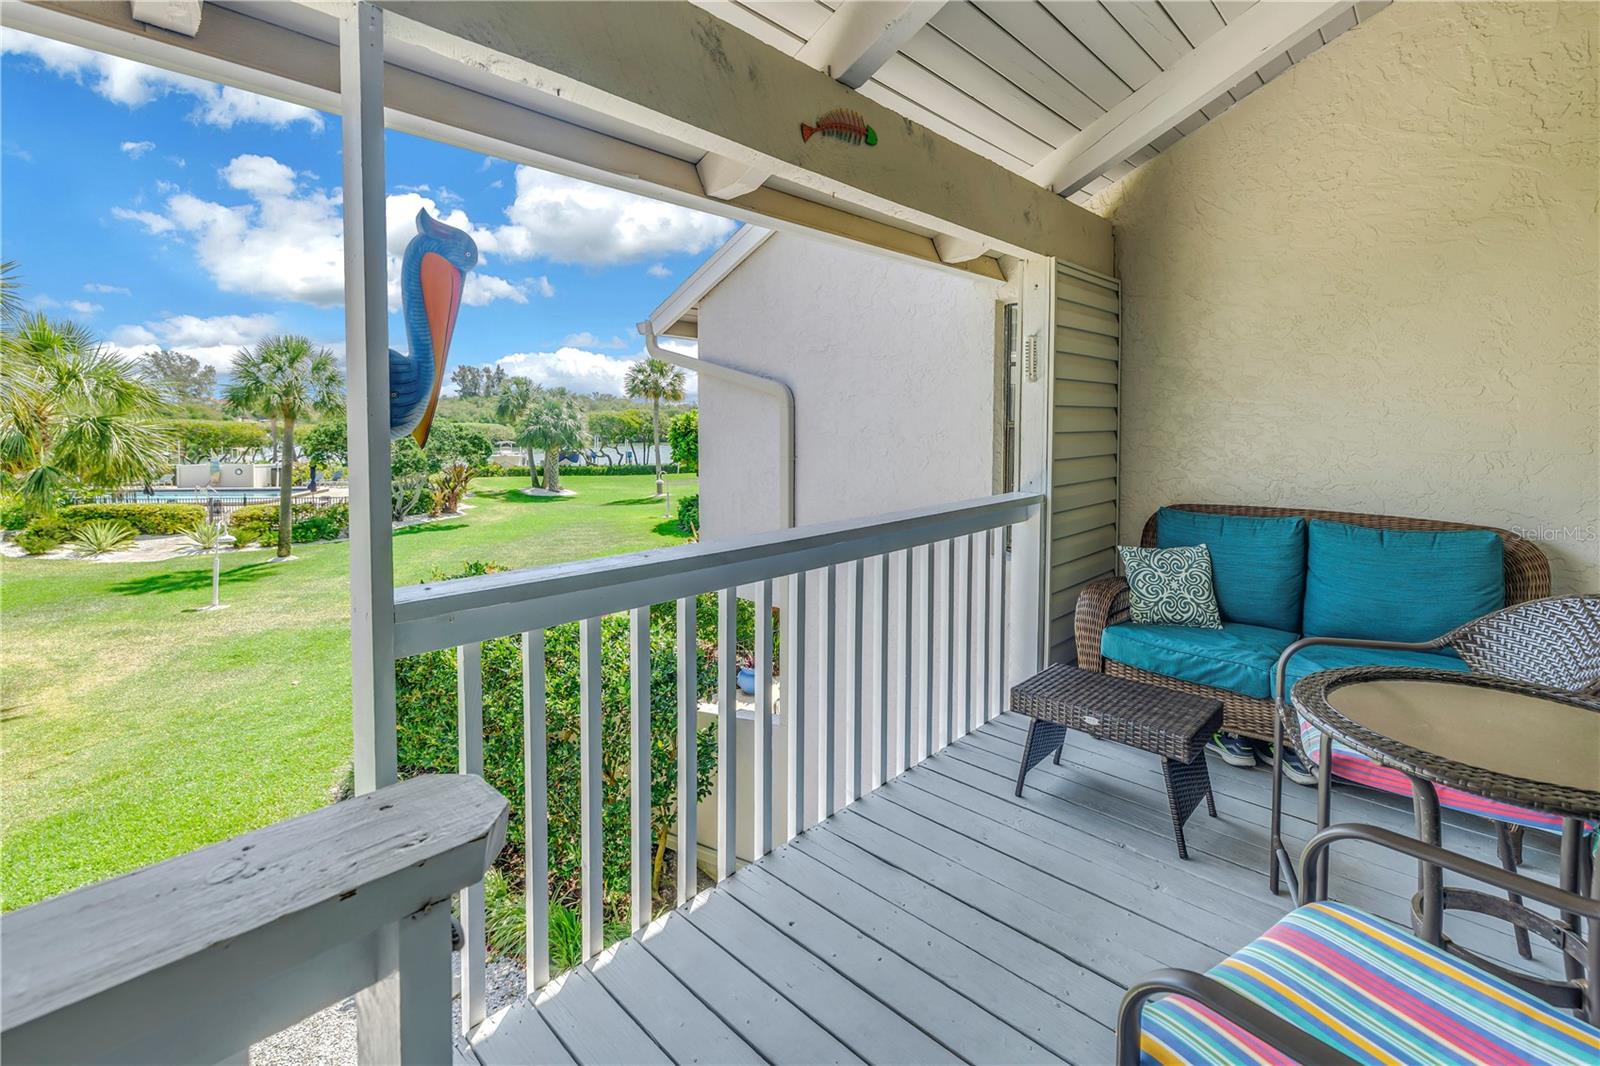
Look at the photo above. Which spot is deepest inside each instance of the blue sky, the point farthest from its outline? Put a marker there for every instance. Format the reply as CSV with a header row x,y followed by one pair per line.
x,y
161,210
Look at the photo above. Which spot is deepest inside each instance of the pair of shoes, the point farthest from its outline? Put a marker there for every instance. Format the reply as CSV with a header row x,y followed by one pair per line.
x,y
1232,749
1297,769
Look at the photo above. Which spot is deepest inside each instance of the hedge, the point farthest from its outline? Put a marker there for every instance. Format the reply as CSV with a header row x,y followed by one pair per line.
x,y
258,523
425,705
157,519
689,515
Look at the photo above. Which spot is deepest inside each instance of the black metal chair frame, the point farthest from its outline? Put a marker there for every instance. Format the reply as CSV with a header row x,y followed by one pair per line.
x,y
1501,643
1296,1043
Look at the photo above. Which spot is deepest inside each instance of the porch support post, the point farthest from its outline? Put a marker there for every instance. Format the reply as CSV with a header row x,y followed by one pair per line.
x,y
1027,598
367,356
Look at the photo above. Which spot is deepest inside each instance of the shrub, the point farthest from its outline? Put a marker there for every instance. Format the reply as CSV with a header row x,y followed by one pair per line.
x,y
446,488
204,535
258,523
512,471
101,536
37,543
406,494
155,519
683,434
689,515
12,515
44,533
506,925
426,711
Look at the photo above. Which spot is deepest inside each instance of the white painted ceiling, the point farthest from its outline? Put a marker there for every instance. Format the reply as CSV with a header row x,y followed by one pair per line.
x,y
1014,79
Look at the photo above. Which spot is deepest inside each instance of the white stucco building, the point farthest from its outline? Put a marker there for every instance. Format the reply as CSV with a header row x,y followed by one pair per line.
x,y
893,367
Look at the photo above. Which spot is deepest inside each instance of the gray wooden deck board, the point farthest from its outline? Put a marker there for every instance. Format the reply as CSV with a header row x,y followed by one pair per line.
x,y
941,918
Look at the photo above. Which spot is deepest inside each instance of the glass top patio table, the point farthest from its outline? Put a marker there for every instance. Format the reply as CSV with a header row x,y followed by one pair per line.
x,y
1527,745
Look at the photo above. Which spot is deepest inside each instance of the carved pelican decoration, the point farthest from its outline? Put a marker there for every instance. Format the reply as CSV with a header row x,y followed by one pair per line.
x,y
431,276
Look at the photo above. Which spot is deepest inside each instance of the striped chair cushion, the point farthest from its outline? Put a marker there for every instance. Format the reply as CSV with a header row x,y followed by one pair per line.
x,y
1377,994
1350,765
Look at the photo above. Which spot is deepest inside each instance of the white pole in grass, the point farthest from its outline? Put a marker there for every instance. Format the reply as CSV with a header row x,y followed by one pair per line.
x,y
224,540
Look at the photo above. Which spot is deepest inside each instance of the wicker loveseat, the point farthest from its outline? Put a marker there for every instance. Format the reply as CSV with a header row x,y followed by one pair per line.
x,y
1104,602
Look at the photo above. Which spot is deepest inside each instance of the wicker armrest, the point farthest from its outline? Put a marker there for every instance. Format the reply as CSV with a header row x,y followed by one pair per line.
x,y
1103,602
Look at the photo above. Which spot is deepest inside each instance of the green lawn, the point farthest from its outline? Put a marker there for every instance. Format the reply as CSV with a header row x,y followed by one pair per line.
x,y
133,728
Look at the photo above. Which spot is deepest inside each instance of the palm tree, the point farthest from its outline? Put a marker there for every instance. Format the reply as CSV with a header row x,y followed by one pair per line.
x,y
289,378
655,380
516,399
73,415
554,423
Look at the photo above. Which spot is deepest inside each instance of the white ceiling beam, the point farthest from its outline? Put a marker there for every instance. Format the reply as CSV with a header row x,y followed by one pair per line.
x,y
1194,80
861,35
179,16
725,178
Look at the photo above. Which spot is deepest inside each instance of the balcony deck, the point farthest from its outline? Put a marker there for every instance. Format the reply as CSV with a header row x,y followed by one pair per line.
x,y
940,918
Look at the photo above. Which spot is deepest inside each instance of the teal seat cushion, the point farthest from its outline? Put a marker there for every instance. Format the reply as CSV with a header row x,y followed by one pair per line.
x,y
1406,585
1259,564
1315,659
1236,657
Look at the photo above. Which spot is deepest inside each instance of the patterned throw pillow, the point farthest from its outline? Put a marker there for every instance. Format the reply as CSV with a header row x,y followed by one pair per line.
x,y
1171,586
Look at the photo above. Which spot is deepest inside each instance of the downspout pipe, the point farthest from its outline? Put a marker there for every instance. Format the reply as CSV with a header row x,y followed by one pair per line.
x,y
744,379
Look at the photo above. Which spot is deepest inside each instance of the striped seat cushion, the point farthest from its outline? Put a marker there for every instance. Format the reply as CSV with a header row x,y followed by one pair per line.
x,y
1377,994
1350,765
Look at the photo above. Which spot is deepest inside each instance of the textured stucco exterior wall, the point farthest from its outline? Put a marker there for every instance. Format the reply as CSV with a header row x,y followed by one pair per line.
x,y
892,367
1372,285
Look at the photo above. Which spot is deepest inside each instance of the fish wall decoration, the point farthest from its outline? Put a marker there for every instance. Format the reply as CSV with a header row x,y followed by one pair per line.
x,y
841,124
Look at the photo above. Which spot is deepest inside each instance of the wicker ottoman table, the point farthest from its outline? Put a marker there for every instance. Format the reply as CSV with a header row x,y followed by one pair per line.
x,y
1173,725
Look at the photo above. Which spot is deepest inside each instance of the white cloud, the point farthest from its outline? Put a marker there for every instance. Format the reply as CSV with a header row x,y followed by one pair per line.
x,y
84,307
589,340
150,220
581,370
571,221
572,368
133,84
545,289
101,287
135,149
213,341
285,240
658,270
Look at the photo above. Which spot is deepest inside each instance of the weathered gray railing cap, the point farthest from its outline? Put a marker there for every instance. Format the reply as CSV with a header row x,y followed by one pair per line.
x,y
219,947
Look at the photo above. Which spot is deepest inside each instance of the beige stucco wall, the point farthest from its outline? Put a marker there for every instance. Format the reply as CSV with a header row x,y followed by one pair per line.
x,y
1372,285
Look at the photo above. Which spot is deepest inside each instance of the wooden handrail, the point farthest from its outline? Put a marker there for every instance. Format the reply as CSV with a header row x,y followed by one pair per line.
x,y
197,957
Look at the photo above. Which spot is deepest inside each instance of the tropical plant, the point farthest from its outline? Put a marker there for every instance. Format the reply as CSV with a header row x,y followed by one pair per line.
x,y
553,424
655,380
205,536
683,434
10,292
616,429
291,379
513,403
405,495
99,537
447,487
73,415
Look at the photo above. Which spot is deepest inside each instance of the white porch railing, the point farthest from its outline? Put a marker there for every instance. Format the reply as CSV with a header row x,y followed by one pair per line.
x,y
932,670
198,957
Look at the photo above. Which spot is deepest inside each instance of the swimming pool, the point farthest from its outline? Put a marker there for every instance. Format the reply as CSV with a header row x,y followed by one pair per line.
x,y
199,495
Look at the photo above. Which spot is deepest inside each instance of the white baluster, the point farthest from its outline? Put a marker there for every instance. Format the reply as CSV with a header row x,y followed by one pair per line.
x,y
591,895
880,674
853,683
536,810
907,569
929,659
639,763
688,751
827,680
761,742
469,756
794,700
727,732
950,653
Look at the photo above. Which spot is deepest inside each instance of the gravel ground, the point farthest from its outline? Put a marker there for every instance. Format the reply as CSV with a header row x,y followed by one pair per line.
x,y
328,1038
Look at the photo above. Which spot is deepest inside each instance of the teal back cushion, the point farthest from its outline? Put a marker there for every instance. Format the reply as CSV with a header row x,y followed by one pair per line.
x,y
1259,564
1406,585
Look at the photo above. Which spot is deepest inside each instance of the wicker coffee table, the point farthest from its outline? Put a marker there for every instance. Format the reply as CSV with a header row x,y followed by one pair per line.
x,y
1173,725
